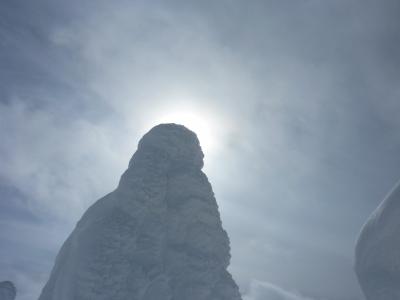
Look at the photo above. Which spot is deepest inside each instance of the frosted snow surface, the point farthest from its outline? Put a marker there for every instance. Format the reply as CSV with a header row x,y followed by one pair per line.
x,y
7,290
158,236
377,261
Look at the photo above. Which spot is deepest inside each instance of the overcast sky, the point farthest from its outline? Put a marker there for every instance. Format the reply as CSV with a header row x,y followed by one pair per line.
x,y
302,98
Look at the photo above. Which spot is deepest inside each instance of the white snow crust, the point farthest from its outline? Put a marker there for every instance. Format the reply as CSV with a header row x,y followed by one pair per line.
x,y
158,236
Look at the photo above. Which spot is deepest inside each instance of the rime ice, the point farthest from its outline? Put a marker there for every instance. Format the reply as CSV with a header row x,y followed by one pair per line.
x,y
158,236
378,251
7,290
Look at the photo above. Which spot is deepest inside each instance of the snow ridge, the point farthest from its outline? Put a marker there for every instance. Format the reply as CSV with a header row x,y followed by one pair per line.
x,y
158,236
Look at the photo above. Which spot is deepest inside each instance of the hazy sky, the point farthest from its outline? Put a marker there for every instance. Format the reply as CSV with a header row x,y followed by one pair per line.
x,y
299,102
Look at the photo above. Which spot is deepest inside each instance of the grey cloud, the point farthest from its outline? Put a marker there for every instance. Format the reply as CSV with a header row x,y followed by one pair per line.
x,y
309,90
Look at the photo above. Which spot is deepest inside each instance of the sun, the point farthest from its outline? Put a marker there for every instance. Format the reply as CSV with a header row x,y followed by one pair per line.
x,y
200,121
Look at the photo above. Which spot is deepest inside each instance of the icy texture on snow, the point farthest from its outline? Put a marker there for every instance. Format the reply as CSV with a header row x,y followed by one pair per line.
x,y
377,261
7,290
158,236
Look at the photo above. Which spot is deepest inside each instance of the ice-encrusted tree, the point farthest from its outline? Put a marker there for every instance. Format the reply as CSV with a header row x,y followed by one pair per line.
x,y
377,257
7,290
158,236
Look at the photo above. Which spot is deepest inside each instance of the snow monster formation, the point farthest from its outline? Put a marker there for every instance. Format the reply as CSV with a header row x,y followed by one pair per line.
x,y
377,258
158,236
7,290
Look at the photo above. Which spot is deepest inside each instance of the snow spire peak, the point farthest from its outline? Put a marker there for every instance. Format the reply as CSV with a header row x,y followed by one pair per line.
x,y
170,144
158,236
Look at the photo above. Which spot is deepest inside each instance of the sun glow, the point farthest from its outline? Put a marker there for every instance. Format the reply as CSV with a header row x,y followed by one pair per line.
x,y
199,121
201,126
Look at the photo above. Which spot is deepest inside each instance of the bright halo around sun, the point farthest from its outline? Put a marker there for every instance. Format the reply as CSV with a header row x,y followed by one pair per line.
x,y
199,121
201,125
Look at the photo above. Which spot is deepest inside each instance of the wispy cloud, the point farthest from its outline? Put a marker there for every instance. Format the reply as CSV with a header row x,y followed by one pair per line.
x,y
268,291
